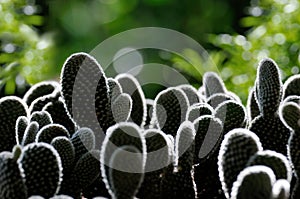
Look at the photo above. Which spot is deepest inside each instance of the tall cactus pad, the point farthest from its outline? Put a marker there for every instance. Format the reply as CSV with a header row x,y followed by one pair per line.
x,y
60,115
292,86
21,125
269,87
10,109
170,108
42,169
121,107
209,134
191,93
232,114
43,118
86,93
254,182
30,133
11,183
197,110
213,84
132,87
39,90
276,161
218,98
252,106
51,131
236,149
126,170
115,88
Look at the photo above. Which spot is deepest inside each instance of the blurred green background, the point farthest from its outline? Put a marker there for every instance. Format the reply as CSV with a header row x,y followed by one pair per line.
x,y
37,36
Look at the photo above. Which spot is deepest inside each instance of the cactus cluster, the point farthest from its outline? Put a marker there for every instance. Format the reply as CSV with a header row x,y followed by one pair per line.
x,y
94,136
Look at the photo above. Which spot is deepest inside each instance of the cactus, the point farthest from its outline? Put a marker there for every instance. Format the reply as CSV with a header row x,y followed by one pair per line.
x,y
269,128
291,86
121,107
179,182
254,182
191,93
30,133
236,149
197,110
85,91
218,98
50,131
276,161
10,109
42,169
213,84
149,103
21,125
159,155
290,114
252,106
169,110
43,118
132,87
232,114
60,115
12,184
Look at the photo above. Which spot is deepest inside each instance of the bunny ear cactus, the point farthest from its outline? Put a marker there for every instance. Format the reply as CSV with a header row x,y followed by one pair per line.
x,y
21,125
60,115
269,128
276,161
115,88
42,169
159,155
197,110
85,91
11,108
218,98
290,114
43,118
131,86
169,110
232,114
291,86
252,106
191,93
179,182
213,84
30,133
254,182
39,90
281,189
121,107
236,149
12,184
149,103
121,134
50,131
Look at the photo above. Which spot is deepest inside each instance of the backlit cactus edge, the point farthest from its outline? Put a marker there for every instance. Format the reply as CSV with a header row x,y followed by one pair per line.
x,y
93,136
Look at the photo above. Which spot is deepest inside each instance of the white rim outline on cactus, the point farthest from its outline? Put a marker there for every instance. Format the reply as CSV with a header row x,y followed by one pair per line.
x,y
148,38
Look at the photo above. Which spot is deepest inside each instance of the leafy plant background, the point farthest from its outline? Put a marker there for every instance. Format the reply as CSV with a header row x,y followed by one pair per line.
x,y
37,36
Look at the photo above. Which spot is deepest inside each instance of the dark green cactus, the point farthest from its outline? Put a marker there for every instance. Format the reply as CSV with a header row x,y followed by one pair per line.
x,y
159,155
66,151
126,170
232,114
252,106
197,110
43,118
269,128
50,131
10,109
132,87
86,93
236,149
60,115
121,134
179,181
213,84
21,125
218,98
115,88
291,86
191,93
42,169
121,107
290,114
30,133
39,90
11,182
276,161
254,182
169,110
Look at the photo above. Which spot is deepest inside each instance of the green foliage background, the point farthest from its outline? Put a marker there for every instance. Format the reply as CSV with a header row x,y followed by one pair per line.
x,y
37,36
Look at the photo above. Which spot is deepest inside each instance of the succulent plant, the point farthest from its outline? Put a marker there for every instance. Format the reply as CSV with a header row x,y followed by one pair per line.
x,y
268,127
252,106
291,86
197,110
10,109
